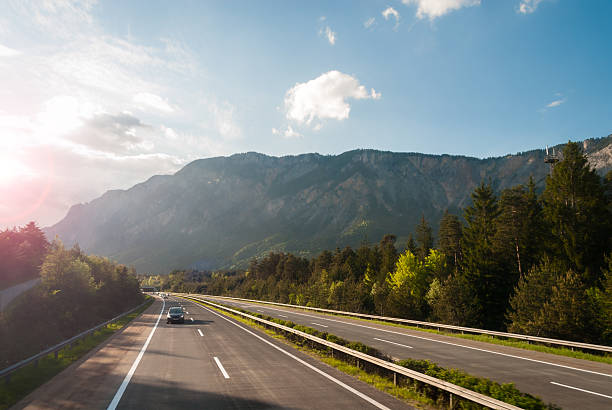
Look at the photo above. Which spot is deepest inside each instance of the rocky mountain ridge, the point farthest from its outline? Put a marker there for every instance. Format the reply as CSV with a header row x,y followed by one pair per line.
x,y
221,212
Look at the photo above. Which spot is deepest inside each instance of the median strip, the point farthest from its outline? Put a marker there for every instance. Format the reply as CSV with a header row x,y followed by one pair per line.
x,y
416,379
338,382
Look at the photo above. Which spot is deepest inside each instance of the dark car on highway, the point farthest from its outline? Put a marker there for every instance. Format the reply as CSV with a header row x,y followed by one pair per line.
x,y
175,315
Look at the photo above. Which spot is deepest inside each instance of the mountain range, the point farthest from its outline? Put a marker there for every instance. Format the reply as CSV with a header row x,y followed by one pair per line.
x,y
221,212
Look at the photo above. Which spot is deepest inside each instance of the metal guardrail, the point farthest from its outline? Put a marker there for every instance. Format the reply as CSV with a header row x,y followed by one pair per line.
x,y
450,388
6,372
438,326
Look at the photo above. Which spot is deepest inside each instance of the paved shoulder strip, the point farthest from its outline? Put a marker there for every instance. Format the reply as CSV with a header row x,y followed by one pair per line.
x,y
113,404
321,372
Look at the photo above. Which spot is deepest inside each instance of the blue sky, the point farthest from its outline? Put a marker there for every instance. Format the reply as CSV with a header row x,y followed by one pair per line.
x,y
102,95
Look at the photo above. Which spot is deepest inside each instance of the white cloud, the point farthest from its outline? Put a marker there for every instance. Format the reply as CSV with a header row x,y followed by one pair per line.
x,y
115,133
225,123
556,103
58,18
153,101
289,132
169,133
8,52
325,97
369,22
331,36
389,12
66,99
437,8
528,6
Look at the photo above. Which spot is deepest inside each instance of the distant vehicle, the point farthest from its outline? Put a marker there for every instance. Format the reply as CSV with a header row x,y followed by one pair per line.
x,y
175,315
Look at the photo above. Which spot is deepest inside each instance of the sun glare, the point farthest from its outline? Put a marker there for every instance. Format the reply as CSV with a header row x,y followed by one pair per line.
x,y
11,169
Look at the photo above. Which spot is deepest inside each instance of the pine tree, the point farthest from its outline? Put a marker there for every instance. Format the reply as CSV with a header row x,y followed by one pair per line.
x,y
532,291
449,242
411,245
537,231
478,264
454,302
605,313
424,238
388,255
575,208
511,229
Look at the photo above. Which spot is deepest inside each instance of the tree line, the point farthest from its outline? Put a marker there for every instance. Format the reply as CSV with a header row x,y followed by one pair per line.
x,y
77,291
21,253
521,261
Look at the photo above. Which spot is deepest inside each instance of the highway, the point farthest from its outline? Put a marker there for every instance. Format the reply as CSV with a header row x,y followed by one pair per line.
x,y
211,361
568,382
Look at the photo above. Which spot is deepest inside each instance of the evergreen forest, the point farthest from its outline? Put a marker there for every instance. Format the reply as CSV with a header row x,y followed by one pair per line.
x,y
518,260
76,292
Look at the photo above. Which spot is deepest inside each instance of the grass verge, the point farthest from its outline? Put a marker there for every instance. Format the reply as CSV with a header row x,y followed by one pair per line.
x,y
406,389
30,377
521,344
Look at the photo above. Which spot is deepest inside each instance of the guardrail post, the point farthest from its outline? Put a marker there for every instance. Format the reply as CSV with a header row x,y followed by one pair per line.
x,y
7,379
56,353
394,379
451,402
35,363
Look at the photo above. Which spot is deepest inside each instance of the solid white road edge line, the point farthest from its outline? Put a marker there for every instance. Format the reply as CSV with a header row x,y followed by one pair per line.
x,y
318,324
393,343
200,332
221,368
321,372
452,344
113,404
586,391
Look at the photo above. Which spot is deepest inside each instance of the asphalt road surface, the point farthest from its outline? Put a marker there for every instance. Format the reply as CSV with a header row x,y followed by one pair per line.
x,y
568,382
211,361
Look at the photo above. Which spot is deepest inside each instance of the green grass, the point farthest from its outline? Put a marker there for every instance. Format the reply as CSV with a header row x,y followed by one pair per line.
x,y
521,344
28,378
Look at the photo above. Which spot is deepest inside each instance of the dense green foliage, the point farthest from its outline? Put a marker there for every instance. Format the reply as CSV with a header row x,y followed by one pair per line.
x,y
505,392
77,292
519,262
21,253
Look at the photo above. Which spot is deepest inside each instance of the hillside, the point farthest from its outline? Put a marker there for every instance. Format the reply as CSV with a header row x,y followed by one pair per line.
x,y
221,212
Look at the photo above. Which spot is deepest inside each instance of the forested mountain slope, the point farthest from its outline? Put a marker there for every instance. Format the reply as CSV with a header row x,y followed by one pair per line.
x,y
221,212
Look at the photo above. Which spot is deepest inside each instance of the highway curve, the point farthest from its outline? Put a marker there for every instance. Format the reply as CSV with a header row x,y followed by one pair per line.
x,y
211,361
568,382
